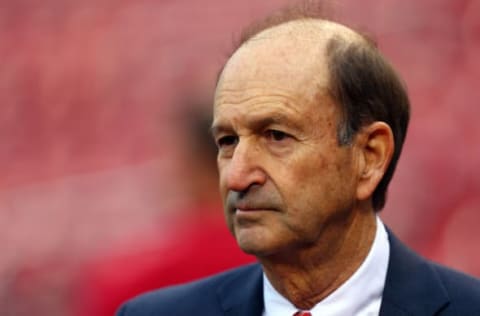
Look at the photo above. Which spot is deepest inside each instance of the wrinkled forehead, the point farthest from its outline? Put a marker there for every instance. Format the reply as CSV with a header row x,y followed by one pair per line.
x,y
290,55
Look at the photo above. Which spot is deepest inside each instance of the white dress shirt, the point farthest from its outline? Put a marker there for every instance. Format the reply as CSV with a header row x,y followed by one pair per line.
x,y
360,295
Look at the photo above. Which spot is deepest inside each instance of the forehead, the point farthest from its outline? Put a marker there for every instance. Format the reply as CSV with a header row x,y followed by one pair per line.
x,y
280,69
292,53
286,58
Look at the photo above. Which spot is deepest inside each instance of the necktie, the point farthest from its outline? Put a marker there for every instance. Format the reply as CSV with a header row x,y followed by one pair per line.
x,y
302,313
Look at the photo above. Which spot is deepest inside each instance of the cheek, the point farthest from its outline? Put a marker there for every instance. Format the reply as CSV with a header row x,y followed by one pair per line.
x,y
316,179
222,177
223,190
305,169
298,182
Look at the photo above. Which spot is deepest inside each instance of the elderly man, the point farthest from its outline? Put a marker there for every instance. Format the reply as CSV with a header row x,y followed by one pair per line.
x,y
309,120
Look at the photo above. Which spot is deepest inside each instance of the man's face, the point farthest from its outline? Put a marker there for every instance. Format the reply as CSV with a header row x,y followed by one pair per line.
x,y
284,180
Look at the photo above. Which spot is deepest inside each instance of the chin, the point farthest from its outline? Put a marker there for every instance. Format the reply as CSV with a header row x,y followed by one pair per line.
x,y
252,246
258,240
257,248
255,251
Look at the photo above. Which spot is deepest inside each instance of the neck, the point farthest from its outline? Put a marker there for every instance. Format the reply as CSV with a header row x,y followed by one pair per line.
x,y
307,277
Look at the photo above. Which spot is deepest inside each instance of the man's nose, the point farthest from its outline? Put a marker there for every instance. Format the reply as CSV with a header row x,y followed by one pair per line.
x,y
244,168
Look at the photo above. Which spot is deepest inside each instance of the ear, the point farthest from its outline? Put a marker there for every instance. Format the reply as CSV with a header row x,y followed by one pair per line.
x,y
376,146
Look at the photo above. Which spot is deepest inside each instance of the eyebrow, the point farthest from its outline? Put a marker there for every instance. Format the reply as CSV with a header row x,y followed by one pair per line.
x,y
219,128
257,123
277,118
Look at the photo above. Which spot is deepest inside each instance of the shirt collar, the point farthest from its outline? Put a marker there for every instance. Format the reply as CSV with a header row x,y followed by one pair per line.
x,y
352,297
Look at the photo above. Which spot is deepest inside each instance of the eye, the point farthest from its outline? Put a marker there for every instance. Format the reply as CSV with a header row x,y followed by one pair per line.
x,y
276,135
227,140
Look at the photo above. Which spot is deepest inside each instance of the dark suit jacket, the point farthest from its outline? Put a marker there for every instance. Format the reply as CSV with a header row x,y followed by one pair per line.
x,y
414,286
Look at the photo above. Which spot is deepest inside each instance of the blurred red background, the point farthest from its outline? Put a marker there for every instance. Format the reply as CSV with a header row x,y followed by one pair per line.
x,y
94,161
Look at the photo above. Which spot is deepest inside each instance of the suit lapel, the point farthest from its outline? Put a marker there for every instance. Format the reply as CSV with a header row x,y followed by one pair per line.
x,y
412,286
243,294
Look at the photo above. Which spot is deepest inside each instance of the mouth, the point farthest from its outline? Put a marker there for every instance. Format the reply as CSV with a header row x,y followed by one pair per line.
x,y
244,207
247,210
255,202
244,216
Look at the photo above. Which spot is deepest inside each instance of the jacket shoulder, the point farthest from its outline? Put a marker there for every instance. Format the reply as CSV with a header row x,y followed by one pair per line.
x,y
463,290
418,286
185,299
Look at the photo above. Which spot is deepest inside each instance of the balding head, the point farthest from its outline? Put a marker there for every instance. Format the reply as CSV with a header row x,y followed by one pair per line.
x,y
299,45
308,29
